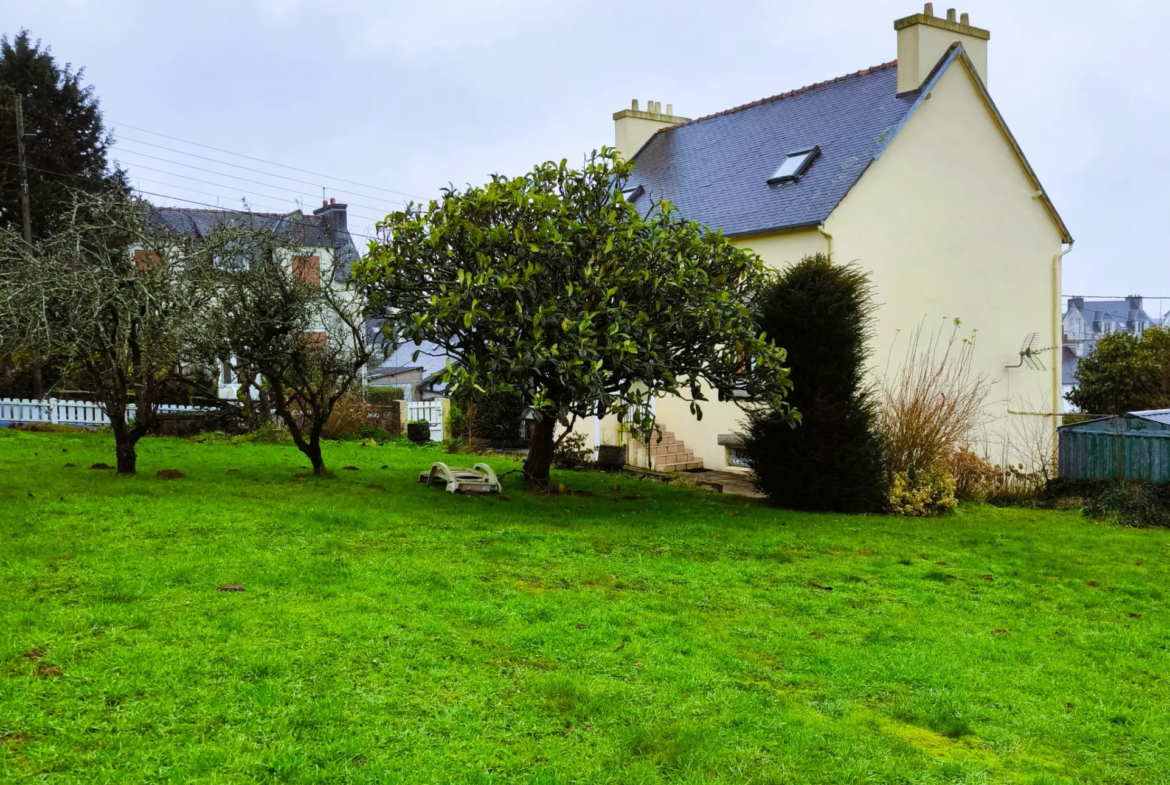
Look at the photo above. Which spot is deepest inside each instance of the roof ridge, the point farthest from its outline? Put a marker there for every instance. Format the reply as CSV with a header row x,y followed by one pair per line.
x,y
224,210
789,94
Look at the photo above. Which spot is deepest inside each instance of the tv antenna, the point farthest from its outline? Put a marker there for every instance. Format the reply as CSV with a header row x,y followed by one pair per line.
x,y
1029,354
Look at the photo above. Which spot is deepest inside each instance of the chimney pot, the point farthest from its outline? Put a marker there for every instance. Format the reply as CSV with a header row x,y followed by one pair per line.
x,y
332,201
950,14
928,9
964,19
634,104
657,107
324,203
670,109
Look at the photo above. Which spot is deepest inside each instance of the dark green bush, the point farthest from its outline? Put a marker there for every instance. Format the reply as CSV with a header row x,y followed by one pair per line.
x,y
492,416
820,313
384,396
1139,504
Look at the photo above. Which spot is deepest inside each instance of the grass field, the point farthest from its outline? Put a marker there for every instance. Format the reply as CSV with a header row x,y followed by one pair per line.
x,y
642,634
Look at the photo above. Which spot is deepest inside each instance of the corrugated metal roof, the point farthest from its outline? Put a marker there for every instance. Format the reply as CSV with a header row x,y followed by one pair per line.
x,y
1161,416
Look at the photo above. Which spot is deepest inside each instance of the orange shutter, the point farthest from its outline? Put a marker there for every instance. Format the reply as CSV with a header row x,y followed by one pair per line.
x,y
307,268
144,259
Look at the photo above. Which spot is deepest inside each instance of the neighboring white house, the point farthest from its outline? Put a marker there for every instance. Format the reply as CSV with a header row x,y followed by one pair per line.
x,y
324,244
1087,321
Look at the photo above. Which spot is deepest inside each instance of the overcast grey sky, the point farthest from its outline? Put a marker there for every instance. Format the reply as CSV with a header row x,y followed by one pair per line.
x,y
410,96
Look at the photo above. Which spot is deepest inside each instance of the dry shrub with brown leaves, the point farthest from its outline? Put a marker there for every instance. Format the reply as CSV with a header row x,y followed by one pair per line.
x,y
351,416
932,407
974,475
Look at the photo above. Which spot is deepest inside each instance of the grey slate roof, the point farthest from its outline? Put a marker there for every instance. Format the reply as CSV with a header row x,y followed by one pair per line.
x,y
1116,311
715,169
307,230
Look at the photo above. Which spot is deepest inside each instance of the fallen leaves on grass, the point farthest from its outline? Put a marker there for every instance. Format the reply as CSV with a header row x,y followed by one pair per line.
x,y
101,466
70,466
988,577
1093,584
169,474
230,587
999,632
1134,615
49,671
376,487
822,588
350,469
817,635
32,655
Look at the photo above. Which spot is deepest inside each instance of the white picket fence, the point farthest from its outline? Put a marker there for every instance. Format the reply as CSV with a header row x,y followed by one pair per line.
x,y
432,412
62,412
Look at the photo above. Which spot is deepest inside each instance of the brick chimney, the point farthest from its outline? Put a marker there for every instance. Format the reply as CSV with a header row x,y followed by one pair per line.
x,y
335,217
924,38
634,127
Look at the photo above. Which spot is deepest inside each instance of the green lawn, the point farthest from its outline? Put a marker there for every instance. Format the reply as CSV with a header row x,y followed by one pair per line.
x,y
644,633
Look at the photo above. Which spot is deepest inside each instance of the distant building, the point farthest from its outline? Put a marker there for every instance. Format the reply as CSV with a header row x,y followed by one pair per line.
x,y
321,241
1086,322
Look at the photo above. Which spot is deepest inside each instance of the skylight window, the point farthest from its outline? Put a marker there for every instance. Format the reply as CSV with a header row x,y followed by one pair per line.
x,y
630,194
794,165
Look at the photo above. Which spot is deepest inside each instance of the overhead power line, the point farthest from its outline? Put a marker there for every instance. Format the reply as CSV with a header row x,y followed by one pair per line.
x,y
218,207
270,163
297,191
238,166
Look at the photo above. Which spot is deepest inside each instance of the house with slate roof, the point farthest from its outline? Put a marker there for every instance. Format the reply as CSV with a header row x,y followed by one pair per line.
x,y
322,240
1086,322
907,168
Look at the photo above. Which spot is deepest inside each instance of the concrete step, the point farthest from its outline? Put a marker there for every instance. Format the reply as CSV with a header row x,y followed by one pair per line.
x,y
682,456
678,467
668,449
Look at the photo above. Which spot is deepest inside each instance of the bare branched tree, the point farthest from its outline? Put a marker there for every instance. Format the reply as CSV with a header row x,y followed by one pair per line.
x,y
112,299
290,318
932,405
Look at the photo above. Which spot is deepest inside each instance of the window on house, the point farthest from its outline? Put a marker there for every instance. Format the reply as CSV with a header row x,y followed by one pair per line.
x,y
227,371
737,457
630,194
794,165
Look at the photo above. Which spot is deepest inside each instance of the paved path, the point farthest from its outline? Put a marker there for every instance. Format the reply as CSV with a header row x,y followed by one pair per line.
x,y
735,483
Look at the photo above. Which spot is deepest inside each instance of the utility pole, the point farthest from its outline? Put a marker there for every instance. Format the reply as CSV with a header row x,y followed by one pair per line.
x,y
38,385
24,208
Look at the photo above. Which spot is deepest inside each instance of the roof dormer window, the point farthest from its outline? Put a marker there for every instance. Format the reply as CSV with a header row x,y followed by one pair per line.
x,y
794,165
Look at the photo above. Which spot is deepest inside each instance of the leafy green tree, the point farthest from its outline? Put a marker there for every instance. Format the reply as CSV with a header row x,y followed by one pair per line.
x,y
554,286
821,313
68,146
1125,373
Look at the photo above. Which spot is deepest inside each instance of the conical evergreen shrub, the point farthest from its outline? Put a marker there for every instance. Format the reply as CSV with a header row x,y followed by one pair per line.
x,y
820,313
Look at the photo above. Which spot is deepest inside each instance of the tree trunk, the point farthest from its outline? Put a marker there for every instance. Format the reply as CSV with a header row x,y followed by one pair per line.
x,y
38,383
7,374
540,454
264,405
312,451
124,441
